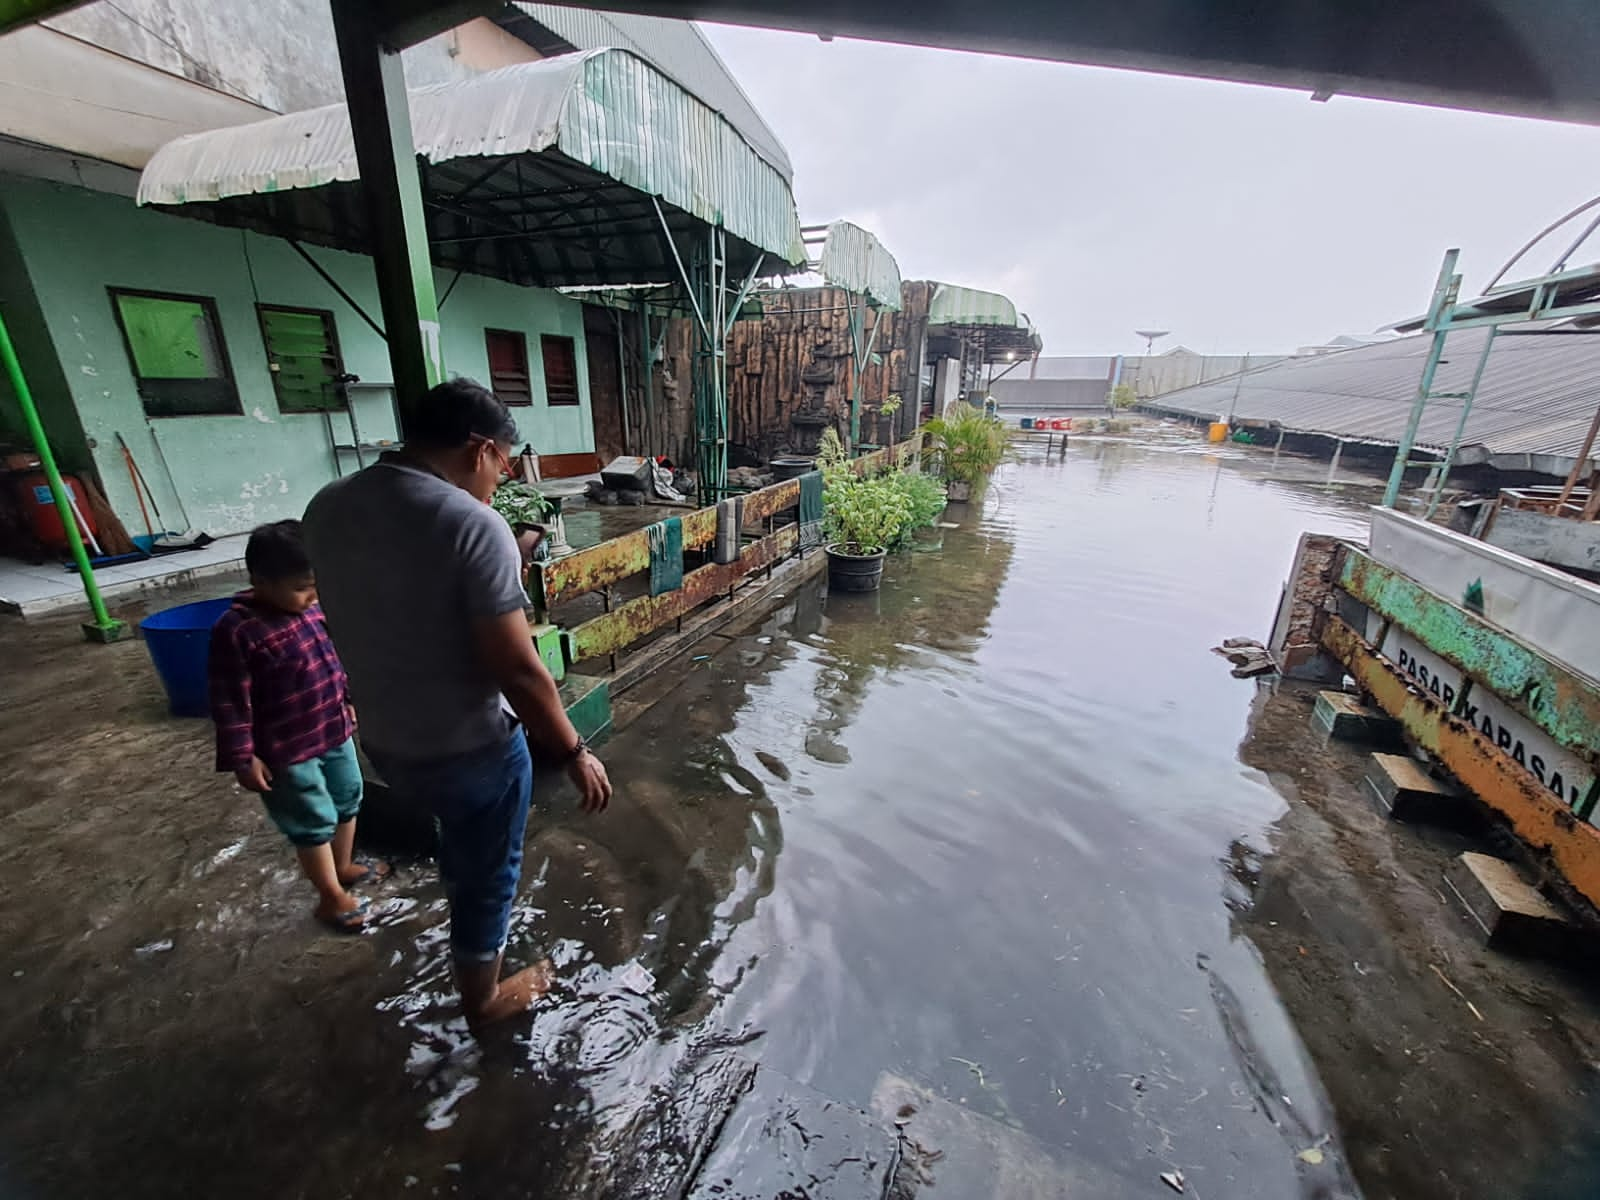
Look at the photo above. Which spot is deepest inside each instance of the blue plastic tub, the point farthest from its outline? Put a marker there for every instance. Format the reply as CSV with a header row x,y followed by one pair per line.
x,y
1026,423
180,646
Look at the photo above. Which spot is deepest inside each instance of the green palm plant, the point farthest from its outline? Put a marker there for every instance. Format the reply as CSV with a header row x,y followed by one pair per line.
x,y
968,446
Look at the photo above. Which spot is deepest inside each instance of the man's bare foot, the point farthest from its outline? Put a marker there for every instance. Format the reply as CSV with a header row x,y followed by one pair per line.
x,y
357,873
515,994
347,914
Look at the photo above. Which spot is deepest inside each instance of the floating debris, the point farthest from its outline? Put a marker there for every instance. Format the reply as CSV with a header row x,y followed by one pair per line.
x,y
1248,656
636,979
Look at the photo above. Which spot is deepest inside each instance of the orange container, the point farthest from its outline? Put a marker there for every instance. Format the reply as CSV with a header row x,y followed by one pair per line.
x,y
34,490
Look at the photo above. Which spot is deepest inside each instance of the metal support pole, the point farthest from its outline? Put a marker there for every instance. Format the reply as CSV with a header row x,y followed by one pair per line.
x,y
104,628
856,319
380,127
647,378
1461,425
1445,291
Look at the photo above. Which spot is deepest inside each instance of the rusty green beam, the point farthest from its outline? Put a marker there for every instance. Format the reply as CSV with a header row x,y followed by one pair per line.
x,y
772,500
1563,703
615,559
637,618
1551,829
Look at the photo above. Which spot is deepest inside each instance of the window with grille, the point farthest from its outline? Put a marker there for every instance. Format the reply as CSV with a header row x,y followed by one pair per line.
x,y
303,356
174,343
508,365
560,371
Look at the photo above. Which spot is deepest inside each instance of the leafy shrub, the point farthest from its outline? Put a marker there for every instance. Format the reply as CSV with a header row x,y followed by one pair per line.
x,y
925,498
863,516
968,446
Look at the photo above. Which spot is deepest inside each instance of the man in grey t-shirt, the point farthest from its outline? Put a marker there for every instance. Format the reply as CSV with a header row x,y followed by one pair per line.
x,y
421,583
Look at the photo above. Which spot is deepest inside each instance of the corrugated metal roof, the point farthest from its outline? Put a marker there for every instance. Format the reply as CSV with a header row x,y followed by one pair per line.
x,y
676,48
1073,366
607,109
855,260
1537,396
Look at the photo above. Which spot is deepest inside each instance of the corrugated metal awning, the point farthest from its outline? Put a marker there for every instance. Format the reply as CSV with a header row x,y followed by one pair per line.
x,y
952,305
540,173
855,260
986,317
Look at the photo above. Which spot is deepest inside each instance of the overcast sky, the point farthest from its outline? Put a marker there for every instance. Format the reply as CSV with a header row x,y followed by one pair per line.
x,y
1242,219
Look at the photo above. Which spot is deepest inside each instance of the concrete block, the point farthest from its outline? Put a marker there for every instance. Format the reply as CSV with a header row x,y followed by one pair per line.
x,y
1509,912
1343,717
587,700
547,643
1405,792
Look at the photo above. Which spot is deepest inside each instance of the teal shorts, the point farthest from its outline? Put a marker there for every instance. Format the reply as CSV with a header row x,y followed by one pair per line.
x,y
309,798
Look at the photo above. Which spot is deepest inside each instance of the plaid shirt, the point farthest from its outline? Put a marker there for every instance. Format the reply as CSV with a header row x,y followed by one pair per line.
x,y
277,689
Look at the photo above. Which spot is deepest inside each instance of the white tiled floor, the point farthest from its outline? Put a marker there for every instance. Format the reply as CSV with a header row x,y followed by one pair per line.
x,y
31,590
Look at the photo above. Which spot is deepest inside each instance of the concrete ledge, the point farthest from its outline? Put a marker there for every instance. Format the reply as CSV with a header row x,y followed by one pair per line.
x,y
1344,718
1508,911
1405,792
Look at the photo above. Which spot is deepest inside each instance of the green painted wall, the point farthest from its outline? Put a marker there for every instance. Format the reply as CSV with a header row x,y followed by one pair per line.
x,y
40,366
225,474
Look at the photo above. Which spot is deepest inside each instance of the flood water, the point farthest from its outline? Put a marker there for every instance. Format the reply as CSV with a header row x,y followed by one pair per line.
x,y
963,857
965,841
990,819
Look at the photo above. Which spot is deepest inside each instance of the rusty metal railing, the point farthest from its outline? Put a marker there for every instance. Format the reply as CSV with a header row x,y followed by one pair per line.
x,y
602,567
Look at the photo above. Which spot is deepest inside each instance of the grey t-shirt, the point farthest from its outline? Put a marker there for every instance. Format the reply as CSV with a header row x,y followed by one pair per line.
x,y
405,563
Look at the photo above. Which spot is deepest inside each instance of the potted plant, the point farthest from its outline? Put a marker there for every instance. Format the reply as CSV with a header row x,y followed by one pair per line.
x,y
967,445
861,520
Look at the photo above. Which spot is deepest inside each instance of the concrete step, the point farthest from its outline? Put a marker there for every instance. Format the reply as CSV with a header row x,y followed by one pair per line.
x,y
1406,792
1507,910
1343,717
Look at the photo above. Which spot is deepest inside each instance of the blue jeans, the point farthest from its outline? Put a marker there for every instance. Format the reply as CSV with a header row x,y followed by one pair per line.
x,y
480,805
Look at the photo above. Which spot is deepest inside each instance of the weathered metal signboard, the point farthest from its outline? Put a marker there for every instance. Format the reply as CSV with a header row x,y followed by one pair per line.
x,y
1567,777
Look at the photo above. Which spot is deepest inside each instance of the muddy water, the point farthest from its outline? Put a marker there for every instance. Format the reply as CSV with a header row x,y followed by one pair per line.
x,y
980,847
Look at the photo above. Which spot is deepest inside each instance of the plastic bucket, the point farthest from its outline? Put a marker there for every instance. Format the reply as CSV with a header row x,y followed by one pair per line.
x,y
854,572
179,641
1218,432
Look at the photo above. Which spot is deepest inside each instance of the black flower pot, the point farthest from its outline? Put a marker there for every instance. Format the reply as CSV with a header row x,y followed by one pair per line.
x,y
854,572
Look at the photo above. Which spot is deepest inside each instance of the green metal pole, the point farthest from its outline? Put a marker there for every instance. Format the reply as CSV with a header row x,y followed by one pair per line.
x,y
104,628
1461,425
380,127
1445,291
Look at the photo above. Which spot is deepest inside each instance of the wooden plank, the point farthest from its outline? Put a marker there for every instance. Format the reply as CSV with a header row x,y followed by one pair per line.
x,y
769,501
751,599
615,630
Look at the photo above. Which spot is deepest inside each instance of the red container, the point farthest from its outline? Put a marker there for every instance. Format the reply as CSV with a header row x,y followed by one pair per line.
x,y
34,490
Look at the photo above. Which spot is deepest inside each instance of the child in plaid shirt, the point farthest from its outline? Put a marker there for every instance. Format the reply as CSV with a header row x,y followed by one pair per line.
x,y
284,726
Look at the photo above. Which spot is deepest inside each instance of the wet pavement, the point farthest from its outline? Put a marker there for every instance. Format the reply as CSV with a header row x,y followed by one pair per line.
x,y
970,884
